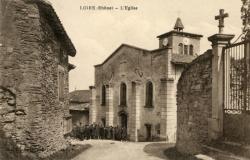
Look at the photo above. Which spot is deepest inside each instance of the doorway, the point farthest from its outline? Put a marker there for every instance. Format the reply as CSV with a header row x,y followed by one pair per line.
x,y
148,132
123,120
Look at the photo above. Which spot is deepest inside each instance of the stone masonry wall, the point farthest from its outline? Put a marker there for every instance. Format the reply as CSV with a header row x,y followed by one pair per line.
x,y
194,98
30,110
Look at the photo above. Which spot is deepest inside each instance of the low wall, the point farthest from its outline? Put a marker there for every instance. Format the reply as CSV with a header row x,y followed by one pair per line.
x,y
194,104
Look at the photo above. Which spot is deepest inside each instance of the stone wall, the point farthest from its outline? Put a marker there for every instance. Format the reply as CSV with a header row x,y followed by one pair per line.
x,y
194,104
30,110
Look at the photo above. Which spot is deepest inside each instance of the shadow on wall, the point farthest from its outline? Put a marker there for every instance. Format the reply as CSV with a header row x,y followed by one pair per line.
x,y
8,148
9,151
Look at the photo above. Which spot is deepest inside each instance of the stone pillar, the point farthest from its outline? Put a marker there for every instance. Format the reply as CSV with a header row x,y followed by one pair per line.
x,y
171,114
93,107
110,106
163,104
136,111
168,102
216,121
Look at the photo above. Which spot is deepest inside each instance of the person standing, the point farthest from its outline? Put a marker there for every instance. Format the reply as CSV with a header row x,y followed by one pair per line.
x,y
102,132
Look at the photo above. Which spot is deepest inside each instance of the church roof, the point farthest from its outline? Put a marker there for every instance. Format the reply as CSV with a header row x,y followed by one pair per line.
x,y
80,96
122,45
52,18
178,24
182,59
186,34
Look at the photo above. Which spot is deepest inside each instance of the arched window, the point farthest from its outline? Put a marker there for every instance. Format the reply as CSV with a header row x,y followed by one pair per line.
x,y
149,94
186,49
123,94
191,49
180,48
103,95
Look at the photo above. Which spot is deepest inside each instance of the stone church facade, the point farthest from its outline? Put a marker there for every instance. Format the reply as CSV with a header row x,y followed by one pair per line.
x,y
34,105
136,88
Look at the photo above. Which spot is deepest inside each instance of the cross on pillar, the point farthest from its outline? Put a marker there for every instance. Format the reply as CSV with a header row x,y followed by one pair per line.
x,y
221,18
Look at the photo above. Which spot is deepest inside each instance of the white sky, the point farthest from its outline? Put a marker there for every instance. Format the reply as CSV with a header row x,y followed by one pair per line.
x,y
96,34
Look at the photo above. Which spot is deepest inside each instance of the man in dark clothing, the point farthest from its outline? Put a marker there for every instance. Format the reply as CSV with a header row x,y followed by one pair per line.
x,y
106,133
81,133
102,132
124,134
91,131
113,133
78,135
87,135
119,133
97,130
116,133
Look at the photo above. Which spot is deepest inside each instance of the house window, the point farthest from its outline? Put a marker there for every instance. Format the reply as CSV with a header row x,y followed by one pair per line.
x,y
186,49
61,85
191,50
103,95
158,128
180,48
123,94
149,95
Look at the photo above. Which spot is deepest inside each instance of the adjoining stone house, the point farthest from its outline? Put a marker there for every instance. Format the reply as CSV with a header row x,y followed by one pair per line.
x,y
79,105
136,88
34,50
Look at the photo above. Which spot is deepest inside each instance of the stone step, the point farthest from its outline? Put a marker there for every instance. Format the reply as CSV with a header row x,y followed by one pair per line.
x,y
219,153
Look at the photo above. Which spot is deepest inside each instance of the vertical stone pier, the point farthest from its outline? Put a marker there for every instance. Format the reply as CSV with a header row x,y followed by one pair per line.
x,y
163,95
93,108
216,122
168,102
171,111
110,111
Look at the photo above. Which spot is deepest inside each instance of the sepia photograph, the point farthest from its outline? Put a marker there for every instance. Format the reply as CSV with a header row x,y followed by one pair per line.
x,y
124,80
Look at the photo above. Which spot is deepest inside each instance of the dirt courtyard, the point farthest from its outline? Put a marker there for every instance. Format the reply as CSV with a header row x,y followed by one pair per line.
x,y
114,150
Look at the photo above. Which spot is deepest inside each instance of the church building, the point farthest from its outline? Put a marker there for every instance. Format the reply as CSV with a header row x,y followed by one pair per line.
x,y
136,88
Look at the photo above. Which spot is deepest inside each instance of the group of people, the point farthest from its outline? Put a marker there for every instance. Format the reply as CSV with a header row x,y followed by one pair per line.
x,y
96,131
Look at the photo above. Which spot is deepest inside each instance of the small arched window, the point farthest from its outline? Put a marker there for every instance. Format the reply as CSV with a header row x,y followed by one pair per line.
x,y
123,94
186,49
149,94
191,49
103,95
180,48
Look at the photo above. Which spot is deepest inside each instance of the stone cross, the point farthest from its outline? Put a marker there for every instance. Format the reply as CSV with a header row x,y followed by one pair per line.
x,y
221,18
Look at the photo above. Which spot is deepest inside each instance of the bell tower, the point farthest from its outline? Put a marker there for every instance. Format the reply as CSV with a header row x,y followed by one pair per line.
x,y
181,42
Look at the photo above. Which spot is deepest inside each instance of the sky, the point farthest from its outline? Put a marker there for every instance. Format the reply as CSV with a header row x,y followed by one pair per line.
x,y
96,34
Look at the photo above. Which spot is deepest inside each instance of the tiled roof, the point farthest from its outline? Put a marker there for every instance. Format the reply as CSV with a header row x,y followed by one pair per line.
x,y
79,107
182,59
80,96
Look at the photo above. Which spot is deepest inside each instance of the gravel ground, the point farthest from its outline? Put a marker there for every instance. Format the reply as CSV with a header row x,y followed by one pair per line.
x,y
114,150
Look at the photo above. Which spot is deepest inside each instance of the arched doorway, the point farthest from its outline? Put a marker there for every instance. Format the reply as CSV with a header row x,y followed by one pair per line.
x,y
123,119
148,132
